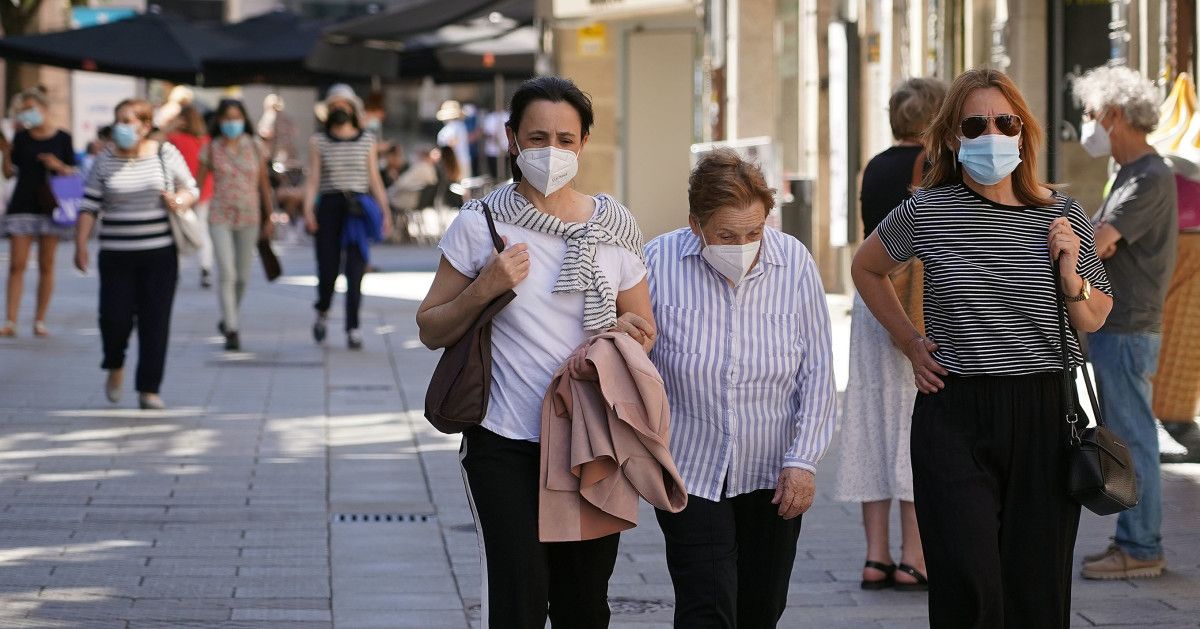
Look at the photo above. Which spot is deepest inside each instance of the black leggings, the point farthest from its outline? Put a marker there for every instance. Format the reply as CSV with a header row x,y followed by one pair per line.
x,y
997,524
138,286
331,216
524,580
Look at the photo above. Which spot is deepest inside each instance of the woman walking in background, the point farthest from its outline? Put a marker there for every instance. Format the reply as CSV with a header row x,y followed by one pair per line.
x,y
344,194
190,136
39,151
877,412
131,188
240,210
989,434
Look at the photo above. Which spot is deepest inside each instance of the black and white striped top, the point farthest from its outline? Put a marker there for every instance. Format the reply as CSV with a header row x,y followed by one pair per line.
x,y
989,287
344,163
127,195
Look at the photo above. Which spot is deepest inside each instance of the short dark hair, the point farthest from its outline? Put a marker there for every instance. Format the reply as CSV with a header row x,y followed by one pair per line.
x,y
723,179
142,109
224,106
555,89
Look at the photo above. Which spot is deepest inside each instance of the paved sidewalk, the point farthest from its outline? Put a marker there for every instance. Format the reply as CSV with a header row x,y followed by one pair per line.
x,y
298,487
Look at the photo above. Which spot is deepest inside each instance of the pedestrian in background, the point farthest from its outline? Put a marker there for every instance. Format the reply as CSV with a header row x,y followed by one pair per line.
x,y
130,189
576,264
38,151
450,176
240,212
1136,233
343,189
989,434
190,135
877,412
455,135
744,349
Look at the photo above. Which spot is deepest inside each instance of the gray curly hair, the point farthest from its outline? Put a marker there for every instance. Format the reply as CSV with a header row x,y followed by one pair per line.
x,y
1118,87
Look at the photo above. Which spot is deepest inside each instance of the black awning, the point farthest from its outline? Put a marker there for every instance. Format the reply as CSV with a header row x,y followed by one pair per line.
x,y
150,45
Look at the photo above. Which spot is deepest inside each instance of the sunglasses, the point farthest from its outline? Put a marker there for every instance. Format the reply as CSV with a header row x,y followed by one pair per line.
x,y
975,126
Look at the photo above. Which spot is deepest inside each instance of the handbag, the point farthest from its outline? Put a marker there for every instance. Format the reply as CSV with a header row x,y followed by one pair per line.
x,y
68,195
458,393
186,228
909,279
270,262
1100,472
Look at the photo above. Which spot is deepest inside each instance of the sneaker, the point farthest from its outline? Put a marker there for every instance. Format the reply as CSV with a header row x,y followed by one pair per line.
x,y
151,402
1117,564
354,339
112,385
205,279
232,343
1191,456
319,329
1112,546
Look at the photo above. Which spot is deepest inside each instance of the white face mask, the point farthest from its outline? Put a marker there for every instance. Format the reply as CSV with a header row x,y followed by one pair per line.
x,y
732,261
1094,138
547,169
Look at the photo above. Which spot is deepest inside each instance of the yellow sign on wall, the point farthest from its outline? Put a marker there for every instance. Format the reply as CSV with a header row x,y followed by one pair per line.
x,y
593,40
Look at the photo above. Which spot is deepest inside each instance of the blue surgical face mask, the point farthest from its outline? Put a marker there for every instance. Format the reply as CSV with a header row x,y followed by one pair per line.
x,y
30,118
990,158
125,135
232,128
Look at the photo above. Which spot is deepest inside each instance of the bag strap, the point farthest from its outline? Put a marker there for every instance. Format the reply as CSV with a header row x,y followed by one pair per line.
x,y
1068,383
497,241
168,183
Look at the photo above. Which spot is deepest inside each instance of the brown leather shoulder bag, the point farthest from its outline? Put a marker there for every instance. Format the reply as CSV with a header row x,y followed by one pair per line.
x,y
457,398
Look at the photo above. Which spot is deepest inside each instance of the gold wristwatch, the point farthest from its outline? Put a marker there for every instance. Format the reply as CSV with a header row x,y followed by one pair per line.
x,y
1084,293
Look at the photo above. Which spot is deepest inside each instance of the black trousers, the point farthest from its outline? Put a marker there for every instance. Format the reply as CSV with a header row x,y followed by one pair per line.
x,y
524,580
997,524
138,287
730,561
331,255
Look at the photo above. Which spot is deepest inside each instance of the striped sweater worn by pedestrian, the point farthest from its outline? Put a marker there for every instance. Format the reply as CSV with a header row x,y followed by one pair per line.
x,y
748,370
126,193
345,162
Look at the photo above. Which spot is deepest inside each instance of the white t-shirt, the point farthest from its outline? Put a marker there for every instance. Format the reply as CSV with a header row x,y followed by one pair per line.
x,y
536,333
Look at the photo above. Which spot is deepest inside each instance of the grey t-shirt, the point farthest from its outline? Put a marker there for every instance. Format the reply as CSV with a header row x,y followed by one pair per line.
x,y
1142,206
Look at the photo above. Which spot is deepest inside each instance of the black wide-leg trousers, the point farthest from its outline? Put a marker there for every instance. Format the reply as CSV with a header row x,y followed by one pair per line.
x,y
997,524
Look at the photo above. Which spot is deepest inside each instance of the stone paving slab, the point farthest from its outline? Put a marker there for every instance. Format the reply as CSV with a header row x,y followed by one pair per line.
x,y
222,511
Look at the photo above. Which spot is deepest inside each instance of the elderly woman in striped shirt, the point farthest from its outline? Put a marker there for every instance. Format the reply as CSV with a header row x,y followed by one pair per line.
x,y
744,348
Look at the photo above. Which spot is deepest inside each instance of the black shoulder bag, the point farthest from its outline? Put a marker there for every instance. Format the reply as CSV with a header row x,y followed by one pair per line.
x,y
1100,473
458,393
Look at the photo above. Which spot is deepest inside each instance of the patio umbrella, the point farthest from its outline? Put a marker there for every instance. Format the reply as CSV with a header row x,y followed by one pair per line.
x,y
150,45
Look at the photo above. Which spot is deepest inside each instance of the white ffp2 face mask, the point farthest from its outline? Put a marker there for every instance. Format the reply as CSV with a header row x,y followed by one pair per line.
x,y
732,261
1095,139
548,168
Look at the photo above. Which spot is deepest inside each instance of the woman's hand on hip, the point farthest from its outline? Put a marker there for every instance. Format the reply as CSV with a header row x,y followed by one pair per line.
x,y
794,492
926,370
505,270
1064,246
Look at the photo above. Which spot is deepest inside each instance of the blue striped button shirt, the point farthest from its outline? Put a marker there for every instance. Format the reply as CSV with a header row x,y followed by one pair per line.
x,y
748,371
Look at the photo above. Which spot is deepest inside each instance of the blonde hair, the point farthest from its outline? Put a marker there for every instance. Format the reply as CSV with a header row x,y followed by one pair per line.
x,y
944,130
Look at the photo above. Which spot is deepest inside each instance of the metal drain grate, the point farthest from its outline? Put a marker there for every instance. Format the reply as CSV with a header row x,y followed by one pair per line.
x,y
639,605
382,518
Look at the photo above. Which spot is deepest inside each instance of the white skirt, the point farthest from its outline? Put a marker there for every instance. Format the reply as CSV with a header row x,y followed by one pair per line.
x,y
873,455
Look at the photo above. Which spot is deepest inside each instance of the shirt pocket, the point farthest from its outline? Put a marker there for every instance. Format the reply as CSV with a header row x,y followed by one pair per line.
x,y
681,330
779,334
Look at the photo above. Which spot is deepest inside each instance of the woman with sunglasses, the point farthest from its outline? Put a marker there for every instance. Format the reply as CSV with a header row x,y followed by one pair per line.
x,y
988,434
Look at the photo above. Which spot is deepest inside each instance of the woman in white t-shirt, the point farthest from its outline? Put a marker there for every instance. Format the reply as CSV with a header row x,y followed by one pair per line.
x,y
575,262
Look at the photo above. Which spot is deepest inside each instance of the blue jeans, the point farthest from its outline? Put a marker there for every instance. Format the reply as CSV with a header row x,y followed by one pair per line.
x,y
1124,364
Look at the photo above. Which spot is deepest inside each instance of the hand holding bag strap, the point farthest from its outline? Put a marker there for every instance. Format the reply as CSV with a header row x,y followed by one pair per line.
x,y
1068,386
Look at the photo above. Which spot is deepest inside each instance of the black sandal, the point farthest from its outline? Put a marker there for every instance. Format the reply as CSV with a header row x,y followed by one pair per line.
x,y
879,584
922,584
